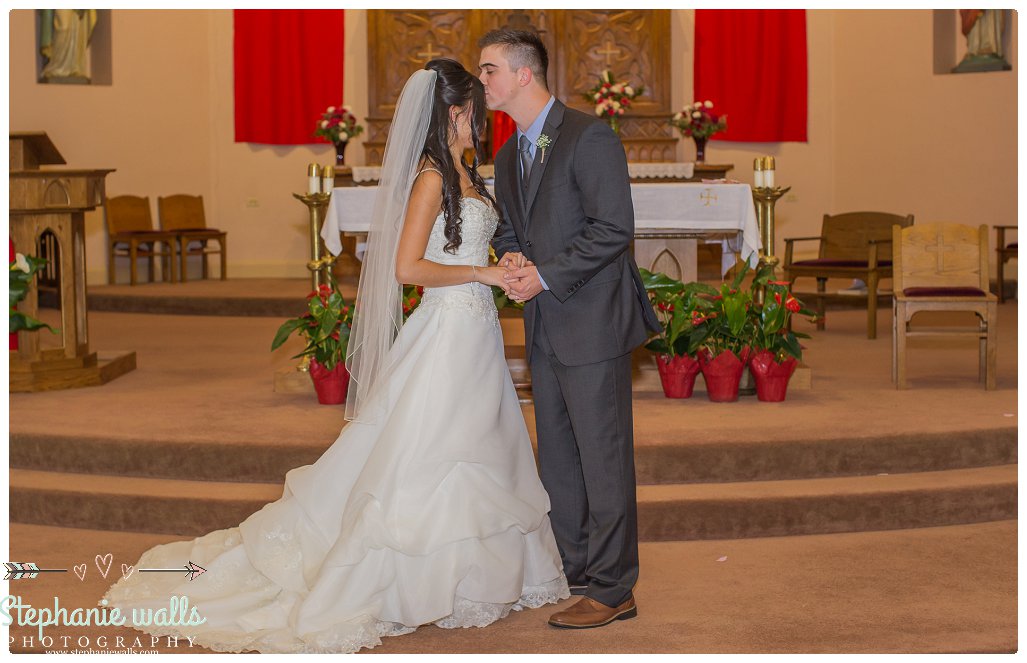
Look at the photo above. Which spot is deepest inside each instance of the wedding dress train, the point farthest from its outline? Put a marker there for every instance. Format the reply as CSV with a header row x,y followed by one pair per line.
x,y
434,513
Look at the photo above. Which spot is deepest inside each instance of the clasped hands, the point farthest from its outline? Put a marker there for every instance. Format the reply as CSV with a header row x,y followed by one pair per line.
x,y
521,276
515,274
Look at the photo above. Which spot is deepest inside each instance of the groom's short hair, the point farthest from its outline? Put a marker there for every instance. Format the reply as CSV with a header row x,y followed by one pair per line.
x,y
522,48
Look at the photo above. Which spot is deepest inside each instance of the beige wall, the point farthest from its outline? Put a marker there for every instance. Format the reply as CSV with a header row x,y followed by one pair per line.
x,y
885,132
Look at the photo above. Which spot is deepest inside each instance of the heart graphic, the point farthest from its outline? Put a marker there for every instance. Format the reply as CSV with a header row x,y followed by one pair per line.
x,y
80,571
106,559
127,570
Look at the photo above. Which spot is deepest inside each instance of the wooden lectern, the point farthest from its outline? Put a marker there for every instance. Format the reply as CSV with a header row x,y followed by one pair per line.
x,y
55,200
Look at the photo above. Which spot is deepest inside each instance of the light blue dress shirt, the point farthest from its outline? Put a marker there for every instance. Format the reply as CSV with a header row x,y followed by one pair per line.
x,y
533,132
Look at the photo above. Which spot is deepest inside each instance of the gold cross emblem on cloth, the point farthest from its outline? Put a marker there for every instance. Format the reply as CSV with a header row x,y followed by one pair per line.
x,y
707,195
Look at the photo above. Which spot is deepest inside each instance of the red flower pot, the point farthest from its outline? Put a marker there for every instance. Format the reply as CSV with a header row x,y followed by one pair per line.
x,y
677,375
330,385
722,374
771,377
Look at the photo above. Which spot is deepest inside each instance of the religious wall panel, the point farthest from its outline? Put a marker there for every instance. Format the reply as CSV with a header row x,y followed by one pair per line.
x,y
634,44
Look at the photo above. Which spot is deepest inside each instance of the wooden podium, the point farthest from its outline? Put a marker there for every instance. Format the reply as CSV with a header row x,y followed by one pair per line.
x,y
54,201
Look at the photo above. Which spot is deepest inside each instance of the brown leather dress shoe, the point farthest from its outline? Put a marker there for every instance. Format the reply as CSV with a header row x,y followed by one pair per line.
x,y
589,613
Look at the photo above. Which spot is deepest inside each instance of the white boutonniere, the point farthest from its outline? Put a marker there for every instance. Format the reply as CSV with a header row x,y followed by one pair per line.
x,y
542,143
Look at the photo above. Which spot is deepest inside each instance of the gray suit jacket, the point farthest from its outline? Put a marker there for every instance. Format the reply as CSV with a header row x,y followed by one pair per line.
x,y
576,224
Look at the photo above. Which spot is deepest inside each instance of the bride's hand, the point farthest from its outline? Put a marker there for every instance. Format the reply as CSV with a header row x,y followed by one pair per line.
x,y
493,276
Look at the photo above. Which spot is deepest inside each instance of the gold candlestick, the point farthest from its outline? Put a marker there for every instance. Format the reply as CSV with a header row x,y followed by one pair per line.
x,y
317,205
765,199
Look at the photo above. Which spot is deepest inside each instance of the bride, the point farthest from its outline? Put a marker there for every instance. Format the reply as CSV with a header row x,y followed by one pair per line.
x,y
427,508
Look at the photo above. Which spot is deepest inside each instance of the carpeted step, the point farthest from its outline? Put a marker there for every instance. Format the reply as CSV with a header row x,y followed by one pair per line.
x,y
267,307
134,504
668,512
824,506
685,458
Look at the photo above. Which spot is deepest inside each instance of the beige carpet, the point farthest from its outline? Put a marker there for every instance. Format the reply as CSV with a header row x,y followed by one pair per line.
x,y
207,381
940,589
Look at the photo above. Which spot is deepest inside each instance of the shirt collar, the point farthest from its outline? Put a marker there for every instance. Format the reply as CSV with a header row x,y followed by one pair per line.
x,y
535,130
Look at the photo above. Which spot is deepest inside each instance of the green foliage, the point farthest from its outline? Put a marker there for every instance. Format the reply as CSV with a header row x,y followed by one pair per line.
x,y
699,317
22,271
325,326
677,305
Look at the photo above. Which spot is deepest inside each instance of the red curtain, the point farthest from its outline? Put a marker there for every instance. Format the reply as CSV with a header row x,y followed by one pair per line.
x,y
503,127
752,65
288,70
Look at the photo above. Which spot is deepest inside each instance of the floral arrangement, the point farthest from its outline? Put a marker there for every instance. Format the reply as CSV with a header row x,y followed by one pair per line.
x,y
698,120
611,99
338,124
22,270
325,326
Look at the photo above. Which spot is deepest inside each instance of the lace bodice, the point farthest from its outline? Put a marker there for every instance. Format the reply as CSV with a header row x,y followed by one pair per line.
x,y
478,222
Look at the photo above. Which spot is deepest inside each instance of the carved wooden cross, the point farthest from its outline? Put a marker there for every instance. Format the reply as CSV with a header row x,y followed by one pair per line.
x,y
608,52
707,195
941,248
428,53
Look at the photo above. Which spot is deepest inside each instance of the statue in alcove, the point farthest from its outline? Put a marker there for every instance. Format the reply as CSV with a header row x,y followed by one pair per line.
x,y
64,36
983,31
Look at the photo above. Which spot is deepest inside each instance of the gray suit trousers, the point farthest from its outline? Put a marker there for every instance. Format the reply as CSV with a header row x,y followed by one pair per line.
x,y
586,457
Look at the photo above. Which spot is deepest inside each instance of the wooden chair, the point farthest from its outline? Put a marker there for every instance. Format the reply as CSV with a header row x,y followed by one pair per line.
x,y
1006,252
130,233
183,215
943,267
855,245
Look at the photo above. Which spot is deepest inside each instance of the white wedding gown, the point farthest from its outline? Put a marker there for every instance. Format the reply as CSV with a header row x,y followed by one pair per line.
x,y
433,514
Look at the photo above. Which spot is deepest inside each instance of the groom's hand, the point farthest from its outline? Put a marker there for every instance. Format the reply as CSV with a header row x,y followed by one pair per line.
x,y
513,260
524,282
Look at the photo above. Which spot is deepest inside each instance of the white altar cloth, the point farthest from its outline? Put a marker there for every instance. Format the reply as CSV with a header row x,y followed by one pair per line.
x,y
696,209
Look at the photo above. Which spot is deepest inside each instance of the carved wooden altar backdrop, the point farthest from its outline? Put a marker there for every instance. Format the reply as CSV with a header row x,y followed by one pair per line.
x,y
633,43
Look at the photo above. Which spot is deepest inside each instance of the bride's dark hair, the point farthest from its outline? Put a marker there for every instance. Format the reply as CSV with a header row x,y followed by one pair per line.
x,y
454,86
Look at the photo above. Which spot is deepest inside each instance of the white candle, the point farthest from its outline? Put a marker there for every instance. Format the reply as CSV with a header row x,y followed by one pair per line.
x,y
757,172
768,179
313,178
327,179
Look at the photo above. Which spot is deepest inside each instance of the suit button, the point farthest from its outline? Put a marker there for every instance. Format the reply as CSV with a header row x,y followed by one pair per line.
x,y
570,290
528,243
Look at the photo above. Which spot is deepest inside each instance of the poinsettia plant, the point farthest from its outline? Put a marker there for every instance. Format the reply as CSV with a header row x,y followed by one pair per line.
x,y
611,98
22,270
698,120
338,124
325,326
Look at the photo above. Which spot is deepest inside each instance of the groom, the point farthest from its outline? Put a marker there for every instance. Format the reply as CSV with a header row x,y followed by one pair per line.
x,y
563,190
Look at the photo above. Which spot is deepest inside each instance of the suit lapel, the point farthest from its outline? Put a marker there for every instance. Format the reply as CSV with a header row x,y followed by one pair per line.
x,y
551,128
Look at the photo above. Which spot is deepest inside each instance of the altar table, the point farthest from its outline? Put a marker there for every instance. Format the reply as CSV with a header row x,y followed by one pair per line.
x,y
669,219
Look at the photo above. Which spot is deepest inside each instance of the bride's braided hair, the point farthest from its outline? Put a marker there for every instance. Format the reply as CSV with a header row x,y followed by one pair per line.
x,y
454,86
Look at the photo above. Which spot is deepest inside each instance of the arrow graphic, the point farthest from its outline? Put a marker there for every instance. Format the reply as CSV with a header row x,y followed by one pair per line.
x,y
26,570
191,569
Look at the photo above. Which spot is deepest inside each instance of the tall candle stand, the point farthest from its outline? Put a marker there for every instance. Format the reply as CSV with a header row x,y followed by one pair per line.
x,y
765,198
320,260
